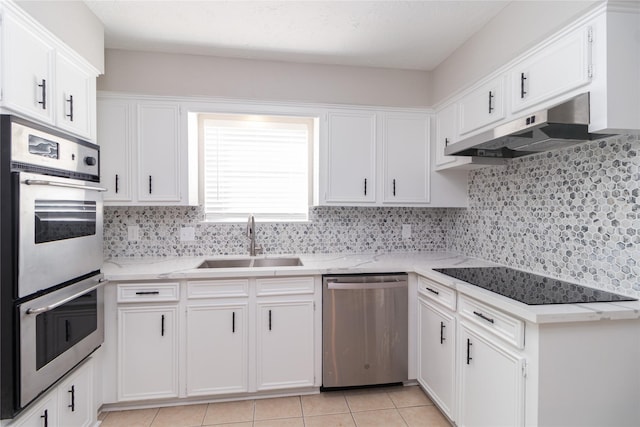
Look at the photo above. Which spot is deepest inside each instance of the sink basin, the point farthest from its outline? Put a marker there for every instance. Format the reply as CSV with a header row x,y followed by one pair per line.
x,y
226,263
277,262
251,262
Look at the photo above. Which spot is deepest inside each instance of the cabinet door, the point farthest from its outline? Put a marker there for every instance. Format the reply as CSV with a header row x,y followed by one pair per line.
x,y
42,413
559,68
491,382
351,163
158,152
217,349
115,139
147,352
406,158
482,107
436,357
75,97
75,398
285,337
27,68
445,133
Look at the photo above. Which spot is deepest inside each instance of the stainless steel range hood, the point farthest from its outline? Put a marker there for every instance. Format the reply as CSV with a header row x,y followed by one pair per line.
x,y
556,127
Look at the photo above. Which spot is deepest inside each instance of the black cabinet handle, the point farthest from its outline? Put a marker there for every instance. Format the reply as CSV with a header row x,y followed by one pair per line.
x,y
233,322
469,358
117,182
491,102
148,293
441,332
269,319
67,330
433,291
45,416
446,142
482,316
522,91
150,184
73,398
70,101
365,186
162,326
394,187
43,85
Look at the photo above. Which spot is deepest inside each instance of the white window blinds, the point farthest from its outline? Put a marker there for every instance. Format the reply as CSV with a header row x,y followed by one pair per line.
x,y
256,165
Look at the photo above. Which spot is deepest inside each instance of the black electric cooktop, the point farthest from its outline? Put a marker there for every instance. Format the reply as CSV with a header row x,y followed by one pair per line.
x,y
530,288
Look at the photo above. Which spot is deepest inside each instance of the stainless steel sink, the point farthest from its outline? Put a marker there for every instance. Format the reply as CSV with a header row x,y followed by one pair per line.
x,y
226,263
277,262
251,262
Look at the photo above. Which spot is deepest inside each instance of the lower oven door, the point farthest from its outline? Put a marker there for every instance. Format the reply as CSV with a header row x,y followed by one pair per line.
x,y
60,230
57,331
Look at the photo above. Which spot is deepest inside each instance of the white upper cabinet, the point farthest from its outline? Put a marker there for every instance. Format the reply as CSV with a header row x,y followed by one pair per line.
x,y
482,107
27,70
405,155
144,152
42,79
158,152
445,133
75,97
552,71
351,157
116,151
377,158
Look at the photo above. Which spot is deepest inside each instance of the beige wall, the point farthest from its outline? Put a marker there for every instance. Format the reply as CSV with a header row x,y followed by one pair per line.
x,y
74,23
516,28
193,75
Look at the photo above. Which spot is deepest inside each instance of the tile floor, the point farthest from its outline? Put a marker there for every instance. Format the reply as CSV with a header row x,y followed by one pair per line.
x,y
388,407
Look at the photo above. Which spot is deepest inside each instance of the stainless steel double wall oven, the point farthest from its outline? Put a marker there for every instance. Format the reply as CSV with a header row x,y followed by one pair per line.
x,y
51,297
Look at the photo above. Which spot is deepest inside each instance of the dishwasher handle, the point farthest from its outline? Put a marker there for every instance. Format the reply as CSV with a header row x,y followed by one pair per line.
x,y
367,285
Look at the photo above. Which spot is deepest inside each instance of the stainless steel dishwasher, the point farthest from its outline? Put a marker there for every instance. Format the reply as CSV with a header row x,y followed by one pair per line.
x,y
364,329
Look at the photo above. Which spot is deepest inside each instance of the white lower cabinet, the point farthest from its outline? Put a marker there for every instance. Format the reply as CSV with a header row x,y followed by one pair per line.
x,y
211,337
285,344
75,398
436,354
43,413
217,348
148,352
69,404
491,381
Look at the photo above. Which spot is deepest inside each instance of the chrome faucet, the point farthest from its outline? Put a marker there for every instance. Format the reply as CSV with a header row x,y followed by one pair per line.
x,y
251,234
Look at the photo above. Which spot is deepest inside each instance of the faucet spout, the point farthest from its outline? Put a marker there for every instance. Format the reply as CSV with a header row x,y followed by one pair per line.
x,y
251,234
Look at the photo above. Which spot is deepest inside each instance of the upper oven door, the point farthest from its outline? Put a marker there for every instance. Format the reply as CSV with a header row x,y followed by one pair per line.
x,y
60,231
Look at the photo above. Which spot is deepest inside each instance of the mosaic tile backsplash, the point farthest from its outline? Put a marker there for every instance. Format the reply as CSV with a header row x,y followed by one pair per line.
x,y
573,214
330,230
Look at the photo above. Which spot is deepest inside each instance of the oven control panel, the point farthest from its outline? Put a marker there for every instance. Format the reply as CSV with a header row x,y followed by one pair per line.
x,y
40,151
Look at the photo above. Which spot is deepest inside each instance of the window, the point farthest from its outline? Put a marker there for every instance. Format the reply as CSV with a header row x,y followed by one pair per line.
x,y
257,165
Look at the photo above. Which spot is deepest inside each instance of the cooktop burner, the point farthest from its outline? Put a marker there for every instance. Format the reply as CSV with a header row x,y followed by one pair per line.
x,y
530,288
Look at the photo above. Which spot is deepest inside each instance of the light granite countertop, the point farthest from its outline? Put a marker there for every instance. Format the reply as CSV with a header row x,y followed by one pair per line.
x,y
182,268
121,269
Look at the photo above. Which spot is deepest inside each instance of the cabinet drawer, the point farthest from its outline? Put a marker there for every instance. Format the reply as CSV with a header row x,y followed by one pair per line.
x,y
284,286
499,323
148,292
437,292
218,288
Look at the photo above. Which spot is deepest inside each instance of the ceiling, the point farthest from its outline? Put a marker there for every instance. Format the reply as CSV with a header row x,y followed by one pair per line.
x,y
416,35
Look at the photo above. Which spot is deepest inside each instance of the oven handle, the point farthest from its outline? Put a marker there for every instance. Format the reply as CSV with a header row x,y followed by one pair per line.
x,y
50,307
63,184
